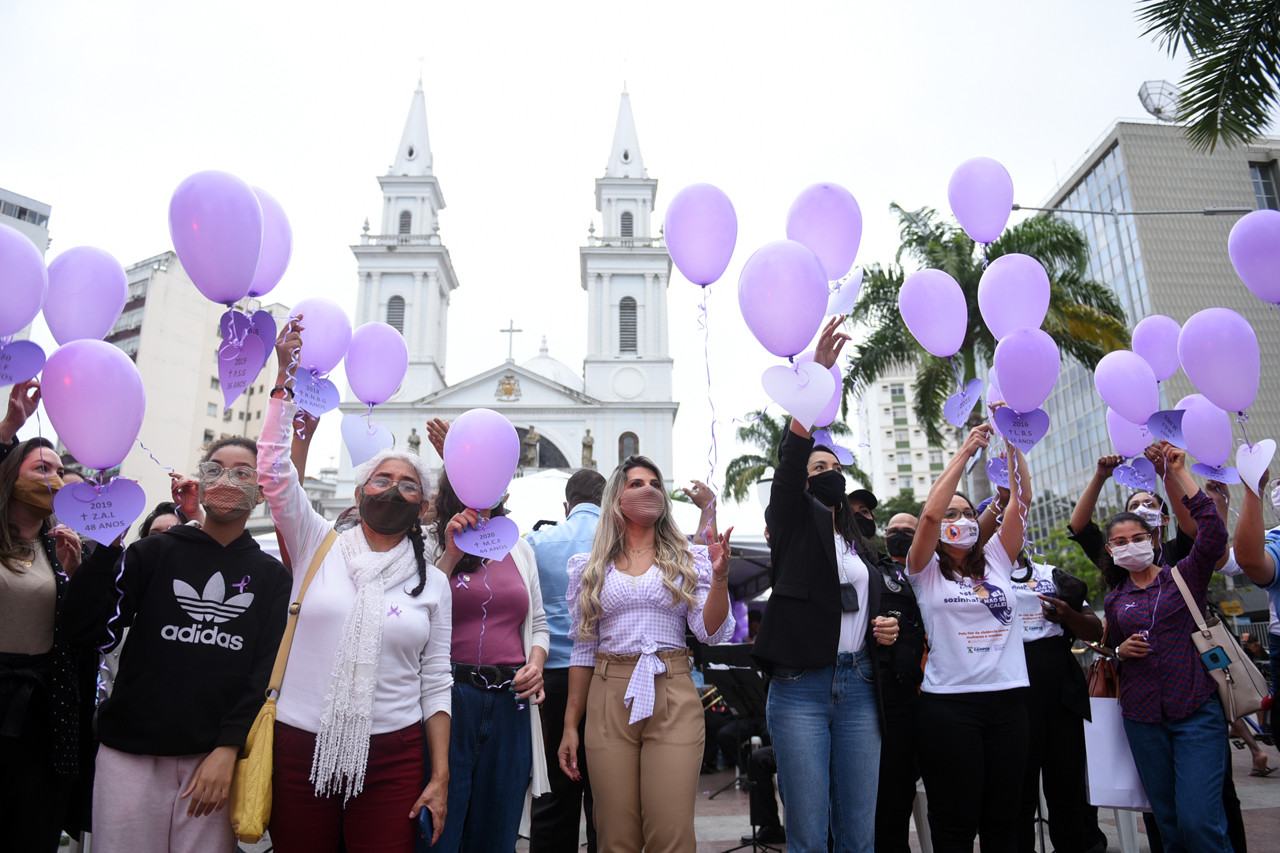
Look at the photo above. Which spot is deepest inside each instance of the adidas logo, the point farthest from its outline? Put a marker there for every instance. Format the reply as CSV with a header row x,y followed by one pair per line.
x,y
208,607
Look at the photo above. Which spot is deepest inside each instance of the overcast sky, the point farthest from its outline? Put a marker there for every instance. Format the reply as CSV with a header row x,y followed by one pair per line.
x,y
107,106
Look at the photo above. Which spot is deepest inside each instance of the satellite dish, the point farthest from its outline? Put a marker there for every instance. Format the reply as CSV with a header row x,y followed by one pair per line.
x,y
1160,98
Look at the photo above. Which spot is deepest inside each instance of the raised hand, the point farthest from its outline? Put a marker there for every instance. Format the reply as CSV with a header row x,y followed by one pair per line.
x,y
1107,465
23,399
700,494
720,555
830,342
1175,459
288,343
979,437
437,429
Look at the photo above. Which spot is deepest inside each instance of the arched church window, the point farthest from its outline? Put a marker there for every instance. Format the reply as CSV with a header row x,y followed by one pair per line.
x,y
395,313
627,325
628,445
406,221
628,224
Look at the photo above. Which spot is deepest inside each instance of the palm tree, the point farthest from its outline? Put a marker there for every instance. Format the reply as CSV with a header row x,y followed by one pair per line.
x,y
1084,318
764,431
1230,86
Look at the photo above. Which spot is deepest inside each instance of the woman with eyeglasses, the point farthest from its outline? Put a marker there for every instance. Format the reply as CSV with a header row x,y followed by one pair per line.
x,y
1170,705
205,608
973,724
369,662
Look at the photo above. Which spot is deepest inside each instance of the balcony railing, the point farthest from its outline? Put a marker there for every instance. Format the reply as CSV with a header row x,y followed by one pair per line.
x,y
400,240
626,242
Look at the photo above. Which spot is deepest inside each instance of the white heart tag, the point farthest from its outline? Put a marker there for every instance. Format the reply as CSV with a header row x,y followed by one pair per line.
x,y
364,439
803,390
842,298
1252,461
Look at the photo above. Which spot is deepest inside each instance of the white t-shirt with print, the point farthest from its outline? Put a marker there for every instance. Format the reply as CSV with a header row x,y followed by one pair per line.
x,y
853,626
975,637
1031,607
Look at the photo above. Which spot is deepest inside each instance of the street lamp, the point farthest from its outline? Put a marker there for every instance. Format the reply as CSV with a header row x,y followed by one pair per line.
x,y
1204,211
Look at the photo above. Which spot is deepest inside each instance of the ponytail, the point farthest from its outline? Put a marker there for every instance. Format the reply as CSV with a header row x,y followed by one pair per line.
x,y
419,547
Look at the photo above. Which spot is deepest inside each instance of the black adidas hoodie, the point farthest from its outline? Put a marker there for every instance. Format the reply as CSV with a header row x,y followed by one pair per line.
x,y
205,623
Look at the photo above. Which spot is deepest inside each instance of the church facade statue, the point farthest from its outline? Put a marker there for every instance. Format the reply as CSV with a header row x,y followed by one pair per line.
x,y
415,441
529,448
588,444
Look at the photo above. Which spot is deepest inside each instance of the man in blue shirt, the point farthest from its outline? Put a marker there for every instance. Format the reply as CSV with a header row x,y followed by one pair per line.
x,y
556,815
1258,552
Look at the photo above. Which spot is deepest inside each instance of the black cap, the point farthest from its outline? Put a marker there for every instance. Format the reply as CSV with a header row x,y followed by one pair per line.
x,y
864,496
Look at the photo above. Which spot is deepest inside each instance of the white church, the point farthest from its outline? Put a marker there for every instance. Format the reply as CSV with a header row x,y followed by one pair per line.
x,y
619,403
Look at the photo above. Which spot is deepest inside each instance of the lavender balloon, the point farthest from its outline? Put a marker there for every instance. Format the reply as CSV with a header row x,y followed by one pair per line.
x,y
1254,246
1126,383
481,452
325,336
932,305
23,278
1129,439
377,360
701,229
827,219
782,292
215,221
1028,363
1013,294
994,394
1206,429
94,397
1219,352
981,196
277,245
87,292
1155,338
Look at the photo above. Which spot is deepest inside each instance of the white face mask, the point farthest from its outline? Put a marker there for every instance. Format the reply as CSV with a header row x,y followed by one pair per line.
x,y
1133,557
1152,516
962,533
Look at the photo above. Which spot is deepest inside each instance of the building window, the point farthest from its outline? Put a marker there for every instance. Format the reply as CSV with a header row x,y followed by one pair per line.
x,y
900,435
899,413
1263,176
208,436
395,313
211,410
213,384
628,445
406,222
935,456
628,224
627,325
904,457
897,390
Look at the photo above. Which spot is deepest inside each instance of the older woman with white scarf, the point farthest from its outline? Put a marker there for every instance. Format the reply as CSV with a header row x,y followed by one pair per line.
x,y
369,663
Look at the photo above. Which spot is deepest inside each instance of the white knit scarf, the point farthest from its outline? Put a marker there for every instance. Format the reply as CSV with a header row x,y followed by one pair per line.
x,y
342,744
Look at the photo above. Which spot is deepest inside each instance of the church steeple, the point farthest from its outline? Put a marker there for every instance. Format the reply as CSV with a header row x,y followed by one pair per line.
x,y
413,157
624,159
625,195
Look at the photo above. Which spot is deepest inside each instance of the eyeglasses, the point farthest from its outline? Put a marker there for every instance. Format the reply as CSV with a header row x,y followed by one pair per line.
x,y
408,488
957,514
238,473
1138,539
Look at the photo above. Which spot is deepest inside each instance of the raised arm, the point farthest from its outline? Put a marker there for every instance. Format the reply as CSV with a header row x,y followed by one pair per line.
x,y
1251,549
1211,533
705,500
1013,527
23,399
1175,487
1083,512
939,499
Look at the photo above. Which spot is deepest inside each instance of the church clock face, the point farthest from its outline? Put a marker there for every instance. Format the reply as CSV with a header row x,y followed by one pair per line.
x,y
628,383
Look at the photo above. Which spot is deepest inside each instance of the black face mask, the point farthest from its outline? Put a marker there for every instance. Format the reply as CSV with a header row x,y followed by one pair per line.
x,y
388,513
827,487
866,526
898,542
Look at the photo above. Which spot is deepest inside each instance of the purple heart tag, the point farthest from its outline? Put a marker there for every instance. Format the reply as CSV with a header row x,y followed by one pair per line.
x,y
1167,426
234,325
1023,430
1144,473
826,439
20,361
314,394
1223,474
998,472
103,513
493,538
263,325
364,439
959,405
238,367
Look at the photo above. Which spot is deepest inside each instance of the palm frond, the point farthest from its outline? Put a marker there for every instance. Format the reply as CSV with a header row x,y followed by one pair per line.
x,y
741,474
935,381
1229,90
1187,23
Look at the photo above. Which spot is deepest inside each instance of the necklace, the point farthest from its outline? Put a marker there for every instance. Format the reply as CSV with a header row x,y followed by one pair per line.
x,y
639,550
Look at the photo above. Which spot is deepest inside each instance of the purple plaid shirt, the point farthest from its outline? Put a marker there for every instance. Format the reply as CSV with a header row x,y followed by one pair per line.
x,y
1171,681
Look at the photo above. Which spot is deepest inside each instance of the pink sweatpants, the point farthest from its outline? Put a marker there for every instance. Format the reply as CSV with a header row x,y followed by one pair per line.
x,y
138,807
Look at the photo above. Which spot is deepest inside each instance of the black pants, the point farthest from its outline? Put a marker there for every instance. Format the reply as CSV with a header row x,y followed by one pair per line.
x,y
763,798
555,815
899,768
733,734
973,753
33,799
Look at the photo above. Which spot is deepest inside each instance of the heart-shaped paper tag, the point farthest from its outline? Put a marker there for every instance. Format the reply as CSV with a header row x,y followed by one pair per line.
x,y
493,538
263,326
315,395
1023,430
1223,474
959,405
842,298
238,367
1139,474
1252,461
802,389
364,439
998,472
1167,426
234,325
103,513
826,439
20,361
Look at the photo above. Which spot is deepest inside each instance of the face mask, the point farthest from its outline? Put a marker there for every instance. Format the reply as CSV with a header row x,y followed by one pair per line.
x,y
642,506
37,494
388,513
1275,497
866,526
1153,517
828,487
899,542
1133,557
961,534
224,498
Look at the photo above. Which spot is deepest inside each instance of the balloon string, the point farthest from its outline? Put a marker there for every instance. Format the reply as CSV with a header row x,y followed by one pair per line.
x,y
370,427
1242,418
104,672
153,457
713,453
290,379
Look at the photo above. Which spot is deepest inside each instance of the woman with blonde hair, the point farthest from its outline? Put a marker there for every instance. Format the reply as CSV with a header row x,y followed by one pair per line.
x,y
629,602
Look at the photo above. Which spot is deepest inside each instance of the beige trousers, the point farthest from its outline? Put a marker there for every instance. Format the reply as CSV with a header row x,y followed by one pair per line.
x,y
644,776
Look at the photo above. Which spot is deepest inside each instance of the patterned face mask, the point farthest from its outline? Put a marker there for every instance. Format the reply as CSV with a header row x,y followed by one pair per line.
x,y
961,534
226,497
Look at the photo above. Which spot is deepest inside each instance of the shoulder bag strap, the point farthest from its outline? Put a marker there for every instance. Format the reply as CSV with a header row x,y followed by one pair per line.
x,y
1191,602
282,656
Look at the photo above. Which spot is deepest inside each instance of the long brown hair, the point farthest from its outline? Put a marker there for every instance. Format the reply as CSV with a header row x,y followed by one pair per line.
x,y
13,549
974,564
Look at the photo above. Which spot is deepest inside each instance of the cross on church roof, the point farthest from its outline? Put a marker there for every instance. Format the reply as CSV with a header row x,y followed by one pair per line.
x,y
510,330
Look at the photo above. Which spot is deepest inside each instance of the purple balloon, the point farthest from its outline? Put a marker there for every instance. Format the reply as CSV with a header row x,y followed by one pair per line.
x,y
827,219
932,305
782,292
828,415
741,625
376,362
1206,429
994,394
1013,294
981,196
325,336
481,452
24,279
277,244
94,397
1254,246
701,229
1028,363
1219,352
87,292
215,221
1129,439
1126,383
1155,338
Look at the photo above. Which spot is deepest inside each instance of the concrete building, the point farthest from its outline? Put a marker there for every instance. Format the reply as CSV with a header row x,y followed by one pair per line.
x,y
1173,263
29,216
897,457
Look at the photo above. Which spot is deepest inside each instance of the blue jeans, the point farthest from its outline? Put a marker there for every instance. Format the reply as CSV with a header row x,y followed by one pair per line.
x,y
826,738
1182,764
490,755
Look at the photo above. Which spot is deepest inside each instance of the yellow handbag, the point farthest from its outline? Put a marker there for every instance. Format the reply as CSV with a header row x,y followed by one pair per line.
x,y
250,798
